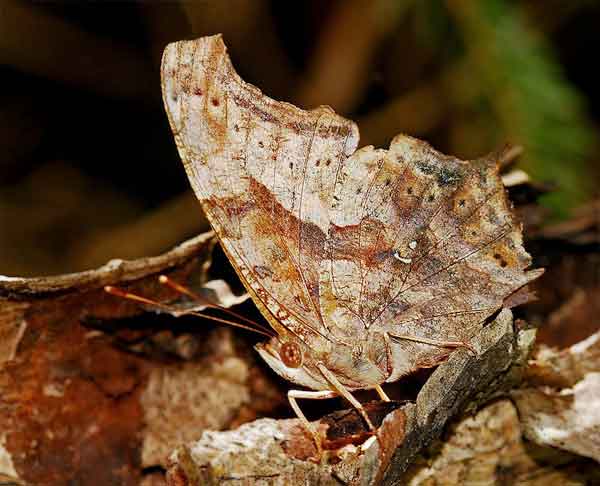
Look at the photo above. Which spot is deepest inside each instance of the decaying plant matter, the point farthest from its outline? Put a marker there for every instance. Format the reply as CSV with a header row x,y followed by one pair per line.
x,y
93,388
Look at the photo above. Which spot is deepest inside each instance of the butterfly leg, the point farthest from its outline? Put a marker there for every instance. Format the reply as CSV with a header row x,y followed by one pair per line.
x,y
381,393
310,395
343,391
435,342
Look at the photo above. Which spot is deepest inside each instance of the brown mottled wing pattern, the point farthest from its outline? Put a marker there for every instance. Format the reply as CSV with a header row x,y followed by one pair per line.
x,y
336,242
251,162
420,245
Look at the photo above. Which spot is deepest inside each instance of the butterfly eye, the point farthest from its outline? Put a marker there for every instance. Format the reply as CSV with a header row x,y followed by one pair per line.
x,y
291,355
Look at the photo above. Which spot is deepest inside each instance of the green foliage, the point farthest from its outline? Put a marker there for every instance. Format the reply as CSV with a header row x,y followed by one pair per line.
x,y
533,102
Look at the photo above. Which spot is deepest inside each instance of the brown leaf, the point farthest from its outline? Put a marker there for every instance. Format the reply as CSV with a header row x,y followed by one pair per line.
x,y
562,408
84,374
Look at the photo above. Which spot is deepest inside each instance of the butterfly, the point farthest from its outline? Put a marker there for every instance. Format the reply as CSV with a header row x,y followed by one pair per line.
x,y
368,264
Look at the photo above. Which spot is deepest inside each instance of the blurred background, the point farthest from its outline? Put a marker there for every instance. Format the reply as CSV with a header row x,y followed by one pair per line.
x,y
88,166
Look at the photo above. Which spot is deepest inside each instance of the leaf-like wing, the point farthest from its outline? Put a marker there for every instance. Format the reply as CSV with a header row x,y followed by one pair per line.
x,y
335,242
421,245
251,161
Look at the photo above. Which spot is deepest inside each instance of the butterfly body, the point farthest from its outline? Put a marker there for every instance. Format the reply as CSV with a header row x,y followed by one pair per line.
x,y
362,363
366,263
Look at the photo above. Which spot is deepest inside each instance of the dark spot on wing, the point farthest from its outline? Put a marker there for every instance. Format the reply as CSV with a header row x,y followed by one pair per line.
x,y
259,112
398,306
263,271
383,256
444,174
425,167
449,176
501,260
334,131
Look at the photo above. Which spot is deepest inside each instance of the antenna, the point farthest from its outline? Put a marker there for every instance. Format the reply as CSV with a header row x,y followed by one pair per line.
x,y
249,326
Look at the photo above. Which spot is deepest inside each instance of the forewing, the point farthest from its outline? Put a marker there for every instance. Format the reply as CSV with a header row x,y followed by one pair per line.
x,y
260,169
420,245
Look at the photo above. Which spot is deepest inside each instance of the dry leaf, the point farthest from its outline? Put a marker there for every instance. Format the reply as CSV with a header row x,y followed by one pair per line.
x,y
84,374
563,408
488,448
183,399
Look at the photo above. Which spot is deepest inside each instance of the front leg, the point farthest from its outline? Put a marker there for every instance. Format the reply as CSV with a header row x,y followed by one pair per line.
x,y
310,395
381,393
340,390
343,391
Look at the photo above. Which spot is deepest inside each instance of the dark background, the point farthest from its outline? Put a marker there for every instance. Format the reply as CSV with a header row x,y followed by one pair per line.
x,y
88,166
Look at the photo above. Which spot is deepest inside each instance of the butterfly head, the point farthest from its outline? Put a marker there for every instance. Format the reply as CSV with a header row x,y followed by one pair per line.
x,y
292,360
356,366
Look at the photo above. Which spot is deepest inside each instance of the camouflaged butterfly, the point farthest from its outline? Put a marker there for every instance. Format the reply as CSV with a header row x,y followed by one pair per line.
x,y
368,264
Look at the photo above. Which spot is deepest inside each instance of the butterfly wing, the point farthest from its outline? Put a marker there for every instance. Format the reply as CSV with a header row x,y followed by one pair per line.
x,y
421,245
334,242
251,163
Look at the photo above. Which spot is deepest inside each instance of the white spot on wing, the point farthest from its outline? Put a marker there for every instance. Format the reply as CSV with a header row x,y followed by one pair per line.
x,y
402,259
